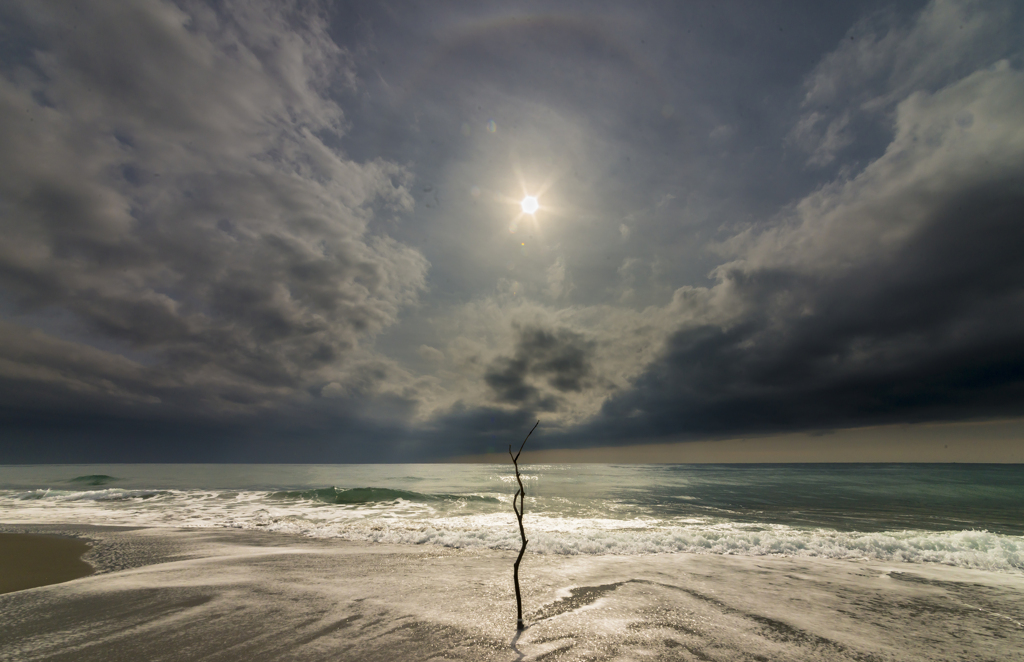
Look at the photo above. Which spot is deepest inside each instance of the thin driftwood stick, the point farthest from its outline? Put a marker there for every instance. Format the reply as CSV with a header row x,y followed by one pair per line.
x,y
521,495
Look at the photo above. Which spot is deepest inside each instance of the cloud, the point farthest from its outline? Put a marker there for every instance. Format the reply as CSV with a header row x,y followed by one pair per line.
x,y
262,221
559,283
430,354
894,296
168,180
41,369
964,136
823,145
508,351
882,61
559,357
722,132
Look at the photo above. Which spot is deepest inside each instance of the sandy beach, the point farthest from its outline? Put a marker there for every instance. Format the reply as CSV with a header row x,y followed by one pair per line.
x,y
214,594
30,560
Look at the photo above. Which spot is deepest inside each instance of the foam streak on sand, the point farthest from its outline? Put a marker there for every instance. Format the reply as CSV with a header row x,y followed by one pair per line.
x,y
165,594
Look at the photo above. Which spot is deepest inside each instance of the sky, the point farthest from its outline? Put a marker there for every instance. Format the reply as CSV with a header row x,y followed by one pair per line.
x,y
295,232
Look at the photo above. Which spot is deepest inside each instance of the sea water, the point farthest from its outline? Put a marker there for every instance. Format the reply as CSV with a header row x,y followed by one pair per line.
x,y
970,516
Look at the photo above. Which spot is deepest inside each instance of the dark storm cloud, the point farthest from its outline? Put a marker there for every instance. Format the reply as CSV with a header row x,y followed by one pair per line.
x,y
466,431
164,182
88,437
559,357
856,328
886,344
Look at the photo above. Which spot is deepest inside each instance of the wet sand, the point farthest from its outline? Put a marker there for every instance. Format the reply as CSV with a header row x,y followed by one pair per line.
x,y
31,560
227,595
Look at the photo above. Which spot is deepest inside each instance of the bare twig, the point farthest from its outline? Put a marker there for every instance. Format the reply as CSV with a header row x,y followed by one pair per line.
x,y
521,495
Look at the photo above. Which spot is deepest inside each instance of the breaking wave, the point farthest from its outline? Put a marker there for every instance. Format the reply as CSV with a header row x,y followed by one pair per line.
x,y
112,494
93,479
360,495
967,549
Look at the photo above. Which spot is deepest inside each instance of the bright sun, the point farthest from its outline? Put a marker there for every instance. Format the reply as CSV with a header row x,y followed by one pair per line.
x,y
529,204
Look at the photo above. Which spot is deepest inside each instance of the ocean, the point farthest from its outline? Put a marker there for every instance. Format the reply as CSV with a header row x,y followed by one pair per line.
x,y
968,516
879,563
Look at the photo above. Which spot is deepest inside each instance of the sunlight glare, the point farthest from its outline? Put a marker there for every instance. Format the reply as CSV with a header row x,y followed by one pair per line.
x,y
529,205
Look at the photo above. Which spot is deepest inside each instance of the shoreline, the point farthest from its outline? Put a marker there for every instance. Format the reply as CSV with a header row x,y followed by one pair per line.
x,y
31,560
231,594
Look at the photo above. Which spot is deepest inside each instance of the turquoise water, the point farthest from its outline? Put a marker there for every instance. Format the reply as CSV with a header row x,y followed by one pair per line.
x,y
967,515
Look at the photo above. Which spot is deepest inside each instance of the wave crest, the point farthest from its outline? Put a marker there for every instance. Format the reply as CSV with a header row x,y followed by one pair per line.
x,y
111,494
358,495
93,479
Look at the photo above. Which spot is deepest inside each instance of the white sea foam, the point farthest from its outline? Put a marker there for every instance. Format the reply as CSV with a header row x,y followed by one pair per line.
x,y
485,521
968,549
89,495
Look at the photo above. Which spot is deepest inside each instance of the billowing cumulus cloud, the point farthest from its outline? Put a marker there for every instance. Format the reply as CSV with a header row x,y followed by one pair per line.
x,y
167,184
293,231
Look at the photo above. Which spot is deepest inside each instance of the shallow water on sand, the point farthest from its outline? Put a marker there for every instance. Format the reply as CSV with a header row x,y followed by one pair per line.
x,y
167,594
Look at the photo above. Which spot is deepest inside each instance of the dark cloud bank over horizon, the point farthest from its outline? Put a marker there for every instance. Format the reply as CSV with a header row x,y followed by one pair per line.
x,y
264,232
